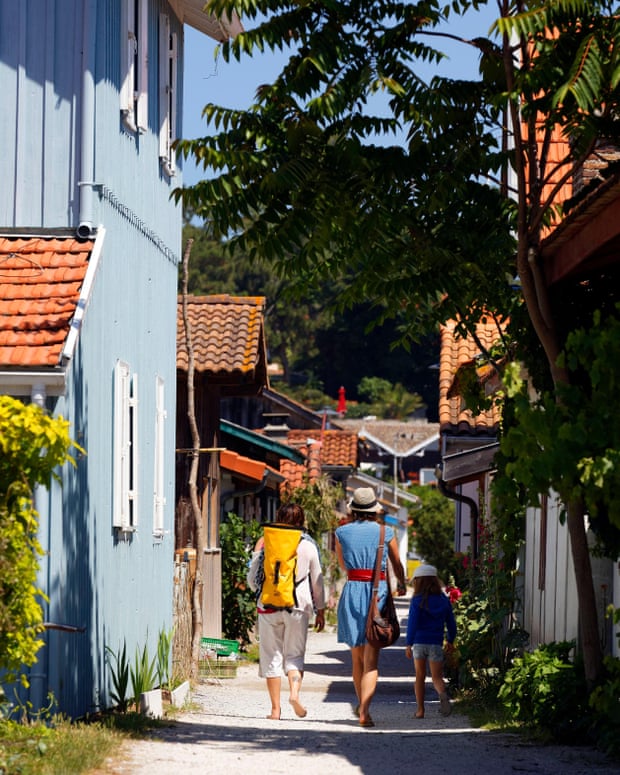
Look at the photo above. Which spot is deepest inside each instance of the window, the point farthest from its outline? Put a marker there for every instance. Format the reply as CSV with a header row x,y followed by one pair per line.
x,y
168,54
125,484
159,500
134,65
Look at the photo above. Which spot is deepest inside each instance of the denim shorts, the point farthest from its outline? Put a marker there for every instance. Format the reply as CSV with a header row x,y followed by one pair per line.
x,y
431,651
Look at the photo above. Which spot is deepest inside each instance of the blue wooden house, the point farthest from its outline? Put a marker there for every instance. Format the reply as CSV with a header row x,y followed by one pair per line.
x,y
90,243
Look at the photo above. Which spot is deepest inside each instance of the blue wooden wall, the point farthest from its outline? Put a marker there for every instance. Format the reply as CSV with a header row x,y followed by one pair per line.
x,y
118,588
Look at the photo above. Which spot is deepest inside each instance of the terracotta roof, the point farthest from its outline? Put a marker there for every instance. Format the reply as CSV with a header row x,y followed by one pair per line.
x,y
395,436
296,475
227,335
40,283
455,352
338,448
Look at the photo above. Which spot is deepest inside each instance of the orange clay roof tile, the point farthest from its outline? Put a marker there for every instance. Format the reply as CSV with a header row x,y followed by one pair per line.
x,y
40,282
339,448
455,352
295,473
227,333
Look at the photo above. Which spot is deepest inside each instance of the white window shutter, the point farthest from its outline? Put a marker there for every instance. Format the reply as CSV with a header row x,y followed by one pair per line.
x,y
128,64
159,500
121,443
125,449
164,126
134,450
168,70
142,102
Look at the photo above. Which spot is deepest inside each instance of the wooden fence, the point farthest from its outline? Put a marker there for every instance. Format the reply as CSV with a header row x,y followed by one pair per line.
x,y
182,621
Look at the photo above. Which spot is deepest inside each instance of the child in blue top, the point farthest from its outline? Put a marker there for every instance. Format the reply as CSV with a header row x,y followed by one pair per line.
x,y
430,614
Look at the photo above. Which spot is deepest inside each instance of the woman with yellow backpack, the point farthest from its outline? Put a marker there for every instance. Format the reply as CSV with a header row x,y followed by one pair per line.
x,y
285,571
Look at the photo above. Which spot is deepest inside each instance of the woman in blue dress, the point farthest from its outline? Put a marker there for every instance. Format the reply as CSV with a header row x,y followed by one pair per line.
x,y
356,548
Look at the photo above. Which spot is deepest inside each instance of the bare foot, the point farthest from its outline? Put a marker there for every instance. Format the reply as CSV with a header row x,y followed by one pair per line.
x,y
298,708
274,716
419,714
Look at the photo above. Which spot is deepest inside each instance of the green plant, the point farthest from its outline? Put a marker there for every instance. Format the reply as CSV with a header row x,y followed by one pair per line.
x,y
32,445
486,641
237,540
431,532
120,676
57,745
606,708
319,500
143,674
251,653
545,691
164,648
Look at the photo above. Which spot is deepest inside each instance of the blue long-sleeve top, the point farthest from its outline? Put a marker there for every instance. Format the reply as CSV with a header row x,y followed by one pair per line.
x,y
429,620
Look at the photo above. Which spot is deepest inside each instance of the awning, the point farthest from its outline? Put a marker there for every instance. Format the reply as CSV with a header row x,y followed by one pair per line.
x,y
466,466
264,442
248,468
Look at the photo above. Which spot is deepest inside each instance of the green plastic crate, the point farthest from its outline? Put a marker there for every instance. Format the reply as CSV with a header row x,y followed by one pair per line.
x,y
222,647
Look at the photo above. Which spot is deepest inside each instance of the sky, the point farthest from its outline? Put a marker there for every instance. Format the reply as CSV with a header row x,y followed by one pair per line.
x,y
233,84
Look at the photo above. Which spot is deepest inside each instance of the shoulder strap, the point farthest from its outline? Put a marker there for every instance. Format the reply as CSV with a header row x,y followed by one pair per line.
x,y
377,572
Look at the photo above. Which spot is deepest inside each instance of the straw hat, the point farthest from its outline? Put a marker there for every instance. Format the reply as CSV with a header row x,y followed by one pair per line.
x,y
364,499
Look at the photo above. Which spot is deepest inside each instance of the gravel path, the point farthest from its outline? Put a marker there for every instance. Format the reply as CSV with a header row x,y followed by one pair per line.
x,y
226,732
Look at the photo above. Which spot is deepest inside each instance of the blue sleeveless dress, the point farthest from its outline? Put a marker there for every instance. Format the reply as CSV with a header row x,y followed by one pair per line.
x,y
359,542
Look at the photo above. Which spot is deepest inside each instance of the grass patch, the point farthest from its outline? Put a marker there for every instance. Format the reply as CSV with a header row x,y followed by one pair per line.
x,y
485,711
251,654
63,746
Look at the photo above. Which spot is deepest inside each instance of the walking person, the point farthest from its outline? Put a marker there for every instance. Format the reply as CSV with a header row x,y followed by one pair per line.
x,y
430,618
357,542
283,632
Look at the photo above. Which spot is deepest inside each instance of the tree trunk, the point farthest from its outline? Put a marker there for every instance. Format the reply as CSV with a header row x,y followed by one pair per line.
x,y
193,475
588,618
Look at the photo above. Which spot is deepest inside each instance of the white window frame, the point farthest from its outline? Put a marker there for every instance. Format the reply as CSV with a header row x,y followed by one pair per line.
x,y
159,500
134,66
168,79
125,475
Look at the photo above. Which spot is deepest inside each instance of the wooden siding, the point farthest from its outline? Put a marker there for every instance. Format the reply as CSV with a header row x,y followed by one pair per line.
x,y
550,594
547,580
116,588
41,76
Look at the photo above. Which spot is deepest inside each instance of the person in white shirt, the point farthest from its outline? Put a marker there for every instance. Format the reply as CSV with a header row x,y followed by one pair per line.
x,y
283,632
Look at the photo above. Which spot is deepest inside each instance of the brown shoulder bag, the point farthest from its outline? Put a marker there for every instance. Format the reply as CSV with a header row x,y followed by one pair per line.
x,y
382,627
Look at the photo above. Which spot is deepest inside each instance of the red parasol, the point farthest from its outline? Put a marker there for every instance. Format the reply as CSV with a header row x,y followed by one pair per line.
x,y
342,403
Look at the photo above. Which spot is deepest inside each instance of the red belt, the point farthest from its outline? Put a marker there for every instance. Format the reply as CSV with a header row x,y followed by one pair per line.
x,y
362,574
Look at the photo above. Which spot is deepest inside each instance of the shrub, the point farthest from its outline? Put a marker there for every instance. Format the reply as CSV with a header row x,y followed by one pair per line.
x,y
487,640
32,445
605,705
237,540
432,532
545,691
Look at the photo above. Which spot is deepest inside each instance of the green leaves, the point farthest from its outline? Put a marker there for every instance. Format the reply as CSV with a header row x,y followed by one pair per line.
x,y
546,691
569,440
119,666
32,446
238,601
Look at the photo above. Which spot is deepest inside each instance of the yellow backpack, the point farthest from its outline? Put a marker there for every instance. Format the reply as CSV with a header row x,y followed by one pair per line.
x,y
279,565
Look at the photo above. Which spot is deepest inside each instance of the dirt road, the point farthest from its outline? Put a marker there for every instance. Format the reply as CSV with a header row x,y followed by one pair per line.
x,y
226,732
